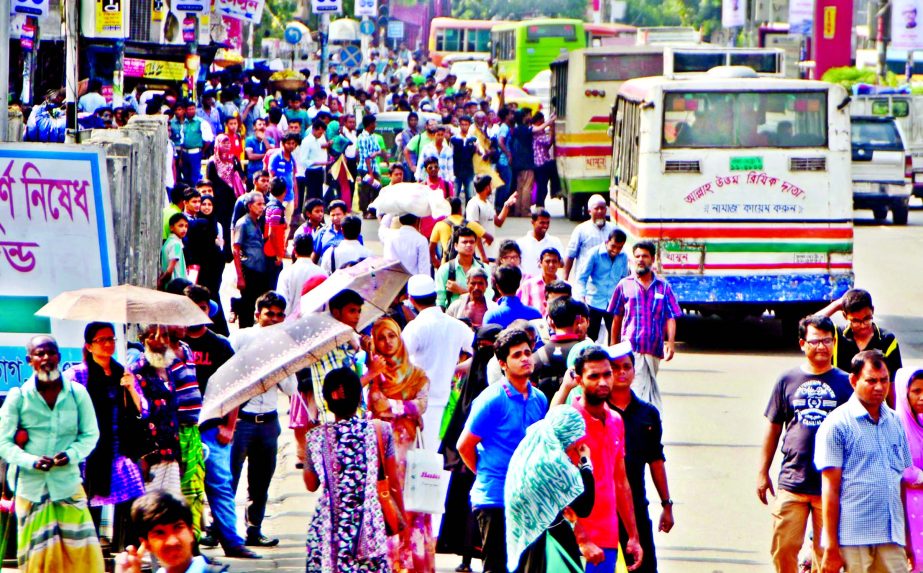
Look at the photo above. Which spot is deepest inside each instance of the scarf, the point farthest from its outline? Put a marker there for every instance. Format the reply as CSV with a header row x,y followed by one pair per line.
x,y
547,480
225,166
401,380
913,424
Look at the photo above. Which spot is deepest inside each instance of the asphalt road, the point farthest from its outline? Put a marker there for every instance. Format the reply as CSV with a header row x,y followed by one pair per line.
x,y
715,391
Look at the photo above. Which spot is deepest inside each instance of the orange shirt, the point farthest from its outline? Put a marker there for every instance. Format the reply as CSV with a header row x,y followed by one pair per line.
x,y
606,440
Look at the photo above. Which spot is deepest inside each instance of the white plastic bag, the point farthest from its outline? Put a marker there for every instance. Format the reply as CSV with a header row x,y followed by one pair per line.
x,y
426,482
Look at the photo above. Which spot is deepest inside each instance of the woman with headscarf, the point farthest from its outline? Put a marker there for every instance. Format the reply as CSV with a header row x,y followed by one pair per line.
x,y
347,533
459,533
111,479
398,393
908,387
554,478
340,171
226,176
203,242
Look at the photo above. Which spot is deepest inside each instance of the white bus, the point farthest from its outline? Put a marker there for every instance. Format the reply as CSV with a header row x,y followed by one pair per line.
x,y
584,84
744,184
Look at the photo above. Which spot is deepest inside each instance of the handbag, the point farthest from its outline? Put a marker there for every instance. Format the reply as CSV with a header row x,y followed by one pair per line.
x,y
426,482
394,518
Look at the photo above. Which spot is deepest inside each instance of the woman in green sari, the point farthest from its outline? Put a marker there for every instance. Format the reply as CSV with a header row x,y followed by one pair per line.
x,y
556,482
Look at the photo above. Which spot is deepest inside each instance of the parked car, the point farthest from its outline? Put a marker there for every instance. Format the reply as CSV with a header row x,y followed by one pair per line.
x,y
881,168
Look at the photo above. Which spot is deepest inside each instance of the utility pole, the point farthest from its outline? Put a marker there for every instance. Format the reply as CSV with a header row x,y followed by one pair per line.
x,y
324,56
4,69
29,58
880,43
71,63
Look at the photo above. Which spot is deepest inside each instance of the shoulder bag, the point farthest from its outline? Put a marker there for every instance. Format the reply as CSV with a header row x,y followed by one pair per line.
x,y
394,518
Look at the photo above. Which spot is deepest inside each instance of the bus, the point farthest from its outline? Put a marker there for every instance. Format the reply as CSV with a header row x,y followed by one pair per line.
x,y
743,182
584,84
450,36
610,34
521,50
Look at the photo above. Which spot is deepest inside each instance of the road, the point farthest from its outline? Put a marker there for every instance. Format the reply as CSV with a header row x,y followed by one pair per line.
x,y
715,391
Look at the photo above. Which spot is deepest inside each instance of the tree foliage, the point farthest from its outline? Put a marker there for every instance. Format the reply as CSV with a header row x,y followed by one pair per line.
x,y
517,9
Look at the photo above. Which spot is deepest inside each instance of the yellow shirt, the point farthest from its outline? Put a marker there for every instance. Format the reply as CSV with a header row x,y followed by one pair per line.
x,y
442,231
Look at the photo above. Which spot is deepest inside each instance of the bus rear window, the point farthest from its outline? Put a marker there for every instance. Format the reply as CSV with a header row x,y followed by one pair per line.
x,y
536,32
745,119
621,67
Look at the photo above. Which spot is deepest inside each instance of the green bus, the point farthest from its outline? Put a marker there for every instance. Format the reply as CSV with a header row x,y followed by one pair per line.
x,y
523,49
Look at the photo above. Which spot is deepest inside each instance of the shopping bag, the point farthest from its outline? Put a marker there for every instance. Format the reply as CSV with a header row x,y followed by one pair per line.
x,y
425,482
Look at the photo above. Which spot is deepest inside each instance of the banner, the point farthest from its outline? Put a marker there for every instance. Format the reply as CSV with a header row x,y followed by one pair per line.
x,y
109,18
733,13
37,8
55,235
907,24
326,6
153,69
248,10
801,17
366,8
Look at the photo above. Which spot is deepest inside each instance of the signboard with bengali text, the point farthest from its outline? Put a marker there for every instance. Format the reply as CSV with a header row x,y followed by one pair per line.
x,y
55,235
247,10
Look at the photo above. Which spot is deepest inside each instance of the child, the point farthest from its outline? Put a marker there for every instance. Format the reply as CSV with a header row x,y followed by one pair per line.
x,y
276,230
172,261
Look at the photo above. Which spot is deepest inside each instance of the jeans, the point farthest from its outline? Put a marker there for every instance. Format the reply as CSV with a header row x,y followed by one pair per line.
x,y
218,490
191,167
314,181
790,518
608,563
492,522
464,187
544,175
258,444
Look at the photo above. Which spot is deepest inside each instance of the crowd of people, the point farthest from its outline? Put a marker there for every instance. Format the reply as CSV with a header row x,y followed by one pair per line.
x,y
530,366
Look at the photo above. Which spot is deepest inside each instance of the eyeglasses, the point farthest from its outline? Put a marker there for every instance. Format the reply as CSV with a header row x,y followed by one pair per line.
x,y
819,342
271,314
103,340
860,321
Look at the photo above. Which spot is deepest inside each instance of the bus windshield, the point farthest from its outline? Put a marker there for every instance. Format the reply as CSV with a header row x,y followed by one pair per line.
x,y
536,32
745,119
621,67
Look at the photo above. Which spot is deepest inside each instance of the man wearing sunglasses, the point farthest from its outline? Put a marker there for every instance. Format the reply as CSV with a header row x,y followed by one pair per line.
x,y
256,437
862,333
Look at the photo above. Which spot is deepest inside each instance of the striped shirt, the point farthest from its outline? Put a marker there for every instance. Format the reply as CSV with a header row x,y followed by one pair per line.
x,y
644,312
341,356
188,396
367,145
873,458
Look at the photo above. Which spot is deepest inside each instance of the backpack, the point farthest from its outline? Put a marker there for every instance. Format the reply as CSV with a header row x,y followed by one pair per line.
x,y
550,368
449,252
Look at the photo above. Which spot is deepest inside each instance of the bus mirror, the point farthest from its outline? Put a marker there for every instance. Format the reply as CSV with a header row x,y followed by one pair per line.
x,y
844,103
609,131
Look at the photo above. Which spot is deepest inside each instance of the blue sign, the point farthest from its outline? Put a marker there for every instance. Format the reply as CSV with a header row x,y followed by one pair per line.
x,y
293,35
350,56
367,27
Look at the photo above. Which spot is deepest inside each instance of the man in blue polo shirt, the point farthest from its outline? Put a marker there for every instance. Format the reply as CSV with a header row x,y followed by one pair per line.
x,y
509,308
497,423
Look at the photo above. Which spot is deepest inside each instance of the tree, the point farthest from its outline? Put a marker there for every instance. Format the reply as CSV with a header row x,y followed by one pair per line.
x,y
517,9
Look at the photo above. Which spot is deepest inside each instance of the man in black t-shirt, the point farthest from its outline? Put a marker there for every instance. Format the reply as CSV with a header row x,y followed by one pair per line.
x,y
569,319
800,401
210,352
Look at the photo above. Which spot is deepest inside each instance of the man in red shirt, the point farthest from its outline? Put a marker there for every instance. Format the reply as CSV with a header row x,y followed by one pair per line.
x,y
598,534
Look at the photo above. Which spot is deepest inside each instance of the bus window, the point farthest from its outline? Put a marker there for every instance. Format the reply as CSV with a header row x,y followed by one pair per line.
x,y
452,42
880,107
482,41
900,108
621,67
742,120
687,62
440,40
761,63
538,31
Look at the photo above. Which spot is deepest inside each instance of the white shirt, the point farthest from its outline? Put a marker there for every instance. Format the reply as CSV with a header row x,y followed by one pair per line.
x,y
445,158
434,341
292,279
310,154
482,212
532,250
265,402
407,245
314,110
90,102
346,252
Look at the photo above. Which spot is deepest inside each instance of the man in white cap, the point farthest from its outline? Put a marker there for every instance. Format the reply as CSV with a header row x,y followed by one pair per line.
x,y
584,240
435,342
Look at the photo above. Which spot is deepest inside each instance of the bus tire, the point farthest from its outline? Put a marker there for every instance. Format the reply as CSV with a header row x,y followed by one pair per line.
x,y
899,212
575,206
880,213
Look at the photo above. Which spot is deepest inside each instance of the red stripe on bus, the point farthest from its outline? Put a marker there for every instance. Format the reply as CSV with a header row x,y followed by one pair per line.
x,y
583,151
599,119
691,233
759,266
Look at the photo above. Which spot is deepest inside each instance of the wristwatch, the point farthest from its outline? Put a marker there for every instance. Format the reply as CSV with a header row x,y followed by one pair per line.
x,y
666,503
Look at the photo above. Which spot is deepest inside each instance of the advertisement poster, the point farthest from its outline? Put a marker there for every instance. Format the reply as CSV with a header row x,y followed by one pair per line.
x,y
801,17
906,24
109,18
366,8
153,69
248,10
55,235
733,13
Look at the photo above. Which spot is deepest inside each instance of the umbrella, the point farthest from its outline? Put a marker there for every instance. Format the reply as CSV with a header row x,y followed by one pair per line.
x,y
280,351
411,198
376,279
125,304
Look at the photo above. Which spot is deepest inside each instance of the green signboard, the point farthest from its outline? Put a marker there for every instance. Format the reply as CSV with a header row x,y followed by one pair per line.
x,y
746,164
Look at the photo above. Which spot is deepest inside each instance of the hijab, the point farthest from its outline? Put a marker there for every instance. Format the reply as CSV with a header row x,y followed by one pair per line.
x,y
913,424
225,165
401,380
548,480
